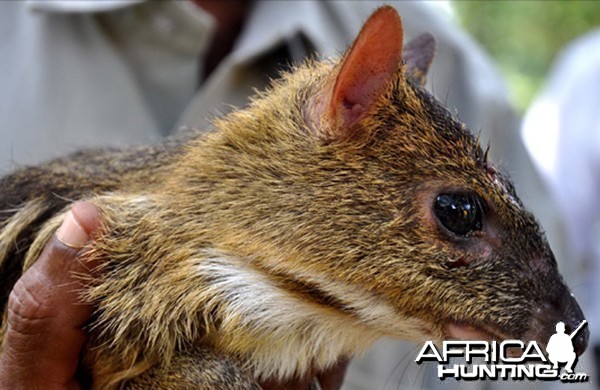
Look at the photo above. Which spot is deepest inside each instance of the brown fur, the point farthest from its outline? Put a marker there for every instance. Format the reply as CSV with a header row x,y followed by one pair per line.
x,y
335,228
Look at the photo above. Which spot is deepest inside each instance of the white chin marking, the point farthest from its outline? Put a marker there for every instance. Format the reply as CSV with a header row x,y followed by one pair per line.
x,y
292,334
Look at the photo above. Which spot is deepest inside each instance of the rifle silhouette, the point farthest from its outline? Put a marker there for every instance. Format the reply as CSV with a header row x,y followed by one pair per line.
x,y
578,328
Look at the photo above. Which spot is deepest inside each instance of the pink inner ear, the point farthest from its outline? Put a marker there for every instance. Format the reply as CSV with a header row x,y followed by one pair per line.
x,y
368,67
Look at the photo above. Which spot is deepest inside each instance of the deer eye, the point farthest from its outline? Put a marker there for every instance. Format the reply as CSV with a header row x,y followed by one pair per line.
x,y
461,214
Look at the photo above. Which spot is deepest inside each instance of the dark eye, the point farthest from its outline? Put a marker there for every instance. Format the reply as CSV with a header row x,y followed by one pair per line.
x,y
460,213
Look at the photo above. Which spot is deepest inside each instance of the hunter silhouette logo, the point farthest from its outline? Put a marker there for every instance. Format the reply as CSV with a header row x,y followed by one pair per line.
x,y
560,347
501,361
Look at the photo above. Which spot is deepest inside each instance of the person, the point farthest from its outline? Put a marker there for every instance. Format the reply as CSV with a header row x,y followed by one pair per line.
x,y
124,72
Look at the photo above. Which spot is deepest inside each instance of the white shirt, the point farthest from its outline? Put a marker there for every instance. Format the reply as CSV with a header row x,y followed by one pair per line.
x,y
85,73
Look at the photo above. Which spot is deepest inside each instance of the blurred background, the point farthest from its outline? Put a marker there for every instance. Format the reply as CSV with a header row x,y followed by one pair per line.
x,y
524,37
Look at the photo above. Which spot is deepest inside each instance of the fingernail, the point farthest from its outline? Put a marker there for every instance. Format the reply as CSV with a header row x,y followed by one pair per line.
x,y
71,233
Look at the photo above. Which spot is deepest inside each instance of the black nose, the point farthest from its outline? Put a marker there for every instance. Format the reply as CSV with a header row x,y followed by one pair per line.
x,y
580,341
574,318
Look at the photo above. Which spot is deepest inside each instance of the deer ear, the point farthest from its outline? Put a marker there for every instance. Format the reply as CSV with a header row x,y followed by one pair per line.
x,y
418,54
366,69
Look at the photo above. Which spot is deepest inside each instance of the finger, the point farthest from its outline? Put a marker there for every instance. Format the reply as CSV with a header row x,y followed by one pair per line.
x,y
45,315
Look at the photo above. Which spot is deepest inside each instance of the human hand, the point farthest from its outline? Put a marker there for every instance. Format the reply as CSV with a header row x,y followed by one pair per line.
x,y
45,334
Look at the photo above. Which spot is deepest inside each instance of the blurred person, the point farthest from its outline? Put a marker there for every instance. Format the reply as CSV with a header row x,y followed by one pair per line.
x,y
562,132
123,72
119,72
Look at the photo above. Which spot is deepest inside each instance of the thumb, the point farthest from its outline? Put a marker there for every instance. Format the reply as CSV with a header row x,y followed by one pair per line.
x,y
44,334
